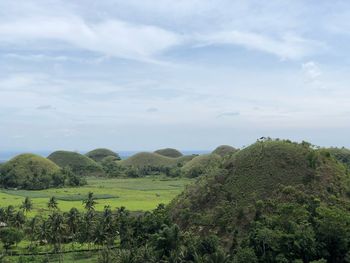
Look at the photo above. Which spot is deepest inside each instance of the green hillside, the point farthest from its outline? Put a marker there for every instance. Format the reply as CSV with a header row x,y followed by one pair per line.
x,y
147,159
169,152
80,164
261,171
99,154
341,154
144,159
27,171
200,164
224,150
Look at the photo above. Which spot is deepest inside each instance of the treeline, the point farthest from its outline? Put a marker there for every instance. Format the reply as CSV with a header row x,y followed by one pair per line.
x,y
114,169
40,180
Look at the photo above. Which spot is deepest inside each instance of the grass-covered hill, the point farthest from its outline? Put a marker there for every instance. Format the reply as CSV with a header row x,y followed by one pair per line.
x,y
28,171
341,154
200,164
227,197
147,159
80,164
99,154
224,150
169,152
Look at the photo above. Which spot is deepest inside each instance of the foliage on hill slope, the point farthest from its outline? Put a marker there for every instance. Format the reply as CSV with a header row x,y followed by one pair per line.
x,y
225,199
341,154
224,150
27,171
99,154
80,164
200,164
169,152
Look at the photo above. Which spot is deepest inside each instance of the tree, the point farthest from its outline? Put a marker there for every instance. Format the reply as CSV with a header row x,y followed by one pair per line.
x,y
32,229
332,228
89,203
106,230
19,219
73,218
27,205
52,204
10,236
245,255
57,230
167,240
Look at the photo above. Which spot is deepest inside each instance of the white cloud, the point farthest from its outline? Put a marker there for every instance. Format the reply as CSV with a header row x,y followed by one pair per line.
x,y
313,76
240,24
110,37
311,70
287,47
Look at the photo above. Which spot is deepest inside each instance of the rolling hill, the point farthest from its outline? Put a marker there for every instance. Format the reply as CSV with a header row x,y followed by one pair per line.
x,y
200,164
169,152
27,171
224,150
99,154
266,170
80,164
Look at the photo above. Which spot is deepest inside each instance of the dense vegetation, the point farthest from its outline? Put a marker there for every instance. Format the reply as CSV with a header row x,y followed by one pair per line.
x,y
146,163
148,237
78,163
99,154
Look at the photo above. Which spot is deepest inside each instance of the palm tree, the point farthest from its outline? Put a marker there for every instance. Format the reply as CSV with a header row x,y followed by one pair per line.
x,y
2,214
57,230
19,219
106,230
52,204
90,202
73,218
9,214
27,205
167,240
33,228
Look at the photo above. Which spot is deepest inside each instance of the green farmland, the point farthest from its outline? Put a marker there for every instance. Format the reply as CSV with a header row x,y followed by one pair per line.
x,y
140,194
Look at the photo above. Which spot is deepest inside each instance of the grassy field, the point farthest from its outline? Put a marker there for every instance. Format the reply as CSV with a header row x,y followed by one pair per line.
x,y
138,194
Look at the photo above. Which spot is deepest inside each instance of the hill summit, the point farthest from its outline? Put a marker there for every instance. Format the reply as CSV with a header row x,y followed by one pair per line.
x,y
99,154
224,150
169,152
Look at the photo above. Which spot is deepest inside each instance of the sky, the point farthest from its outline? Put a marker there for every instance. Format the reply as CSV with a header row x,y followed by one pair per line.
x,y
189,74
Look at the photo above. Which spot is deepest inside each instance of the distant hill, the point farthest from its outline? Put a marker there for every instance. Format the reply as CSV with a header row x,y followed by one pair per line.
x,y
99,154
224,150
265,170
144,159
80,164
28,171
169,152
200,164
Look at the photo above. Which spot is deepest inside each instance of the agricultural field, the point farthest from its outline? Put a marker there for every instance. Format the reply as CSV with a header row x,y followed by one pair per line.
x,y
139,194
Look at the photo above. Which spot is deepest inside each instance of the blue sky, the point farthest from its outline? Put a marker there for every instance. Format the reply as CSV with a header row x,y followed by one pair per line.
x,y
190,74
